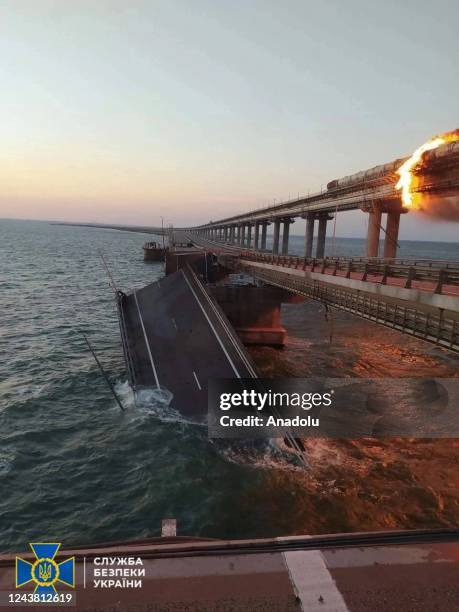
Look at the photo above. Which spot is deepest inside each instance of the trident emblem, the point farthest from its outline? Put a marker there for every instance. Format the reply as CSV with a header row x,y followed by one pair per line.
x,y
45,571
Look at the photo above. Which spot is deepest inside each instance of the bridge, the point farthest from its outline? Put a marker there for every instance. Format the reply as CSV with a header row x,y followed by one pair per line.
x,y
373,191
419,297
416,297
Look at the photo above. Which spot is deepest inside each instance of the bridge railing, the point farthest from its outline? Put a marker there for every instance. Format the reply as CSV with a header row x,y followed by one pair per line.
x,y
440,274
409,318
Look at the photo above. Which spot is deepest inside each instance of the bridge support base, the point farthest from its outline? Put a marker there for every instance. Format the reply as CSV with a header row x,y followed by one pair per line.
x,y
391,239
309,235
254,312
276,237
321,234
264,229
374,228
285,235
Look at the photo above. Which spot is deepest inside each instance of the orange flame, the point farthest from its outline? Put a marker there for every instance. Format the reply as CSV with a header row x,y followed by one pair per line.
x,y
405,171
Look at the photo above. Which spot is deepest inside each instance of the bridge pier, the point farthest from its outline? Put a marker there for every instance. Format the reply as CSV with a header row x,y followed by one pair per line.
x,y
249,235
276,236
264,231
309,235
255,312
321,234
257,236
374,229
242,235
391,237
285,235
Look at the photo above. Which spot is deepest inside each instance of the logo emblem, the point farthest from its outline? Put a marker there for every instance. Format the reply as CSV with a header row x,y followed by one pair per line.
x,y
45,572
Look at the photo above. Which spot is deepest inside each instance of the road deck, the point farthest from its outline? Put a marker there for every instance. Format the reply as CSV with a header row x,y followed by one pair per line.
x,y
177,337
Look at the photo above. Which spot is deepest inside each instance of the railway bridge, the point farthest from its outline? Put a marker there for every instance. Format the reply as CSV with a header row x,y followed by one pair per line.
x,y
372,191
415,296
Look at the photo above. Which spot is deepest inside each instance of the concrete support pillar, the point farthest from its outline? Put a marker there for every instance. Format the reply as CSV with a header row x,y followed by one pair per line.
x,y
249,235
309,235
226,234
391,238
276,237
374,228
254,312
285,236
322,232
256,239
242,235
264,231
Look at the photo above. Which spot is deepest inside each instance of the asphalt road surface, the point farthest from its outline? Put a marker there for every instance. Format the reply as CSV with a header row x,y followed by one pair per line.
x,y
177,338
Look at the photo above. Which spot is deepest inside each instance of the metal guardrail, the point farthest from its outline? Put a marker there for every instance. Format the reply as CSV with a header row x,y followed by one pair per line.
x,y
439,273
422,323
120,297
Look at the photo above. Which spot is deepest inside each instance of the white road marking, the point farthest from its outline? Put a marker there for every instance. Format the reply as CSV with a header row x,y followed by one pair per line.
x,y
211,326
197,381
312,582
174,323
146,342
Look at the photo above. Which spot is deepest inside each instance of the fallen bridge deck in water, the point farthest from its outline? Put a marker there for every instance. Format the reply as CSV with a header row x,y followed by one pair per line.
x,y
176,337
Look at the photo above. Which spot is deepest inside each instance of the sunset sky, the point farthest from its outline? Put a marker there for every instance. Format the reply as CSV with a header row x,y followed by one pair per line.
x,y
123,112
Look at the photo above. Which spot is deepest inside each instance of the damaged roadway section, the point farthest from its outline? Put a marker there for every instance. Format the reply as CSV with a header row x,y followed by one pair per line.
x,y
176,337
